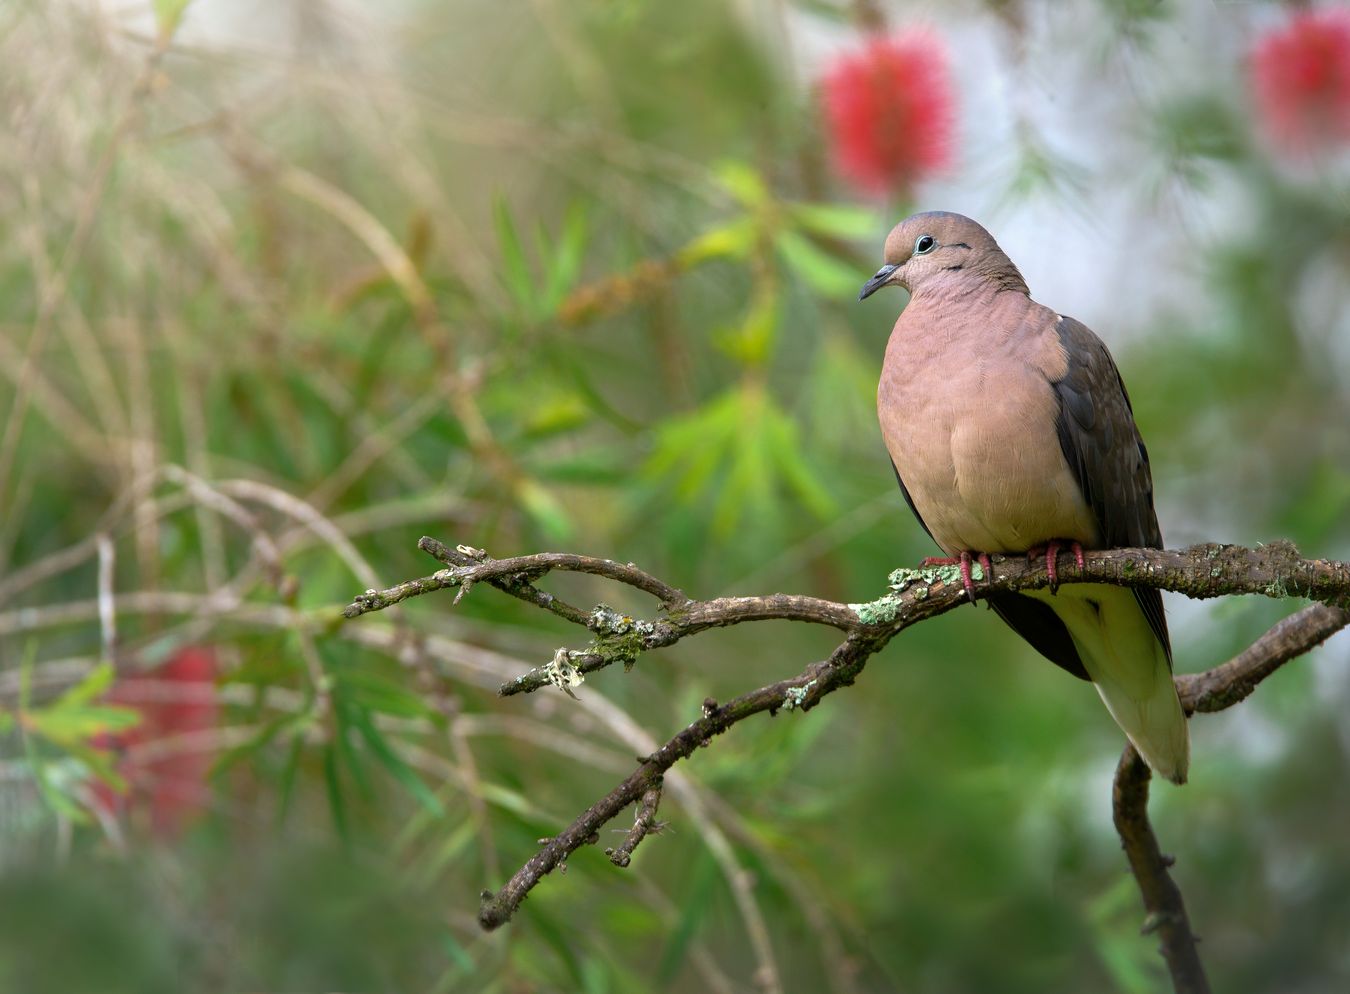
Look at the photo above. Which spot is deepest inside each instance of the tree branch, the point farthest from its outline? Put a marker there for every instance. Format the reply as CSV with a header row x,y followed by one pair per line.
x,y
1209,570
1162,897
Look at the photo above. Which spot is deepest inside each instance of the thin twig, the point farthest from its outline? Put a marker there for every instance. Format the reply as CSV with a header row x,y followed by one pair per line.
x,y
644,823
107,606
802,691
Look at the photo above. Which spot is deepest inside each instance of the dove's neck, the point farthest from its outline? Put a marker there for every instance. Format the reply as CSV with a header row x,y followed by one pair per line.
x,y
990,276
970,316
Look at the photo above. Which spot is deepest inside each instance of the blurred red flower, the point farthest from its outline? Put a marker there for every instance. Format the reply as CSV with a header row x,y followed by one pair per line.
x,y
888,108
1301,80
164,758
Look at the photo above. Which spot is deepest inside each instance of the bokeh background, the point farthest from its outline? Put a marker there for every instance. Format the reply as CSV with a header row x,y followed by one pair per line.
x,y
287,284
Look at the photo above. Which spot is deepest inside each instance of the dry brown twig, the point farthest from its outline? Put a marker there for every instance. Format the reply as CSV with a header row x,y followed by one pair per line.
x,y
1275,570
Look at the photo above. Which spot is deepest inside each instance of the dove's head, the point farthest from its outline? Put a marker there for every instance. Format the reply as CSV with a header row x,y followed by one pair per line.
x,y
937,248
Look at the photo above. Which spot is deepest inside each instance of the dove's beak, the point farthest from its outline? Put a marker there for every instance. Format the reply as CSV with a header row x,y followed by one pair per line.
x,y
878,281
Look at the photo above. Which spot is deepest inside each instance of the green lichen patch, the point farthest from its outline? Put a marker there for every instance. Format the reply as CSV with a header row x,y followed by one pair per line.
x,y
619,638
881,611
918,582
604,620
1276,587
796,696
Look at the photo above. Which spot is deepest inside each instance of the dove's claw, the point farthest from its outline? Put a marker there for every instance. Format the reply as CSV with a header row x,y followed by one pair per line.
x,y
1050,550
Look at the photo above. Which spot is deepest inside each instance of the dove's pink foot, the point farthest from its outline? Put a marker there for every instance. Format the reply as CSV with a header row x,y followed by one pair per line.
x,y
963,561
1050,550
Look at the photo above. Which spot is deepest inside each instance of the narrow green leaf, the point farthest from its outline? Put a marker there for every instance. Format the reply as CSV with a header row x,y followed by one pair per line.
x,y
791,464
70,726
565,260
515,270
392,762
370,692
52,795
730,241
343,715
287,788
460,956
247,750
544,509
694,907
101,763
742,182
835,220
168,15
95,682
825,274
446,853
333,783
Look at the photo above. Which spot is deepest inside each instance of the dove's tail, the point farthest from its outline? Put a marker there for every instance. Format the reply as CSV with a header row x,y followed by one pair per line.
x,y
1129,667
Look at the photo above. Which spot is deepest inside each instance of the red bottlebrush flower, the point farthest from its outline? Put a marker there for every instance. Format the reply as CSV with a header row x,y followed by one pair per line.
x,y
888,107
1301,81
165,769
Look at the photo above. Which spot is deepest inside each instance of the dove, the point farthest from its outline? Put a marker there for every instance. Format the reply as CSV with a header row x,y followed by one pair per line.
x,y
1010,431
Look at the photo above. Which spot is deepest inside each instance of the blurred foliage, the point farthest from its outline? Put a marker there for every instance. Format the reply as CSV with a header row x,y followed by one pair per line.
x,y
286,288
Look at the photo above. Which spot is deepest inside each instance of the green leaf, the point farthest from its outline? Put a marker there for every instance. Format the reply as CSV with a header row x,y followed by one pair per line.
x,y
249,749
566,259
730,241
751,341
742,182
446,853
602,467
95,682
101,763
52,794
71,726
392,762
544,509
287,789
515,270
791,462
835,220
825,274
355,763
555,415
169,14
370,692
333,784
694,908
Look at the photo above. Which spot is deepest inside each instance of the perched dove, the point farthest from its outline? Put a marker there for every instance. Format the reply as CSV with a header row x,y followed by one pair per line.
x,y
1010,431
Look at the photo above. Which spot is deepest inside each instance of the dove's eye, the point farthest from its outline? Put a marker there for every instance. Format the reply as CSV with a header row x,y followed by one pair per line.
x,y
924,245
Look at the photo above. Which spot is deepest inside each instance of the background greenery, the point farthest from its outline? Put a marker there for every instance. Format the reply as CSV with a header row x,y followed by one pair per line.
x,y
288,285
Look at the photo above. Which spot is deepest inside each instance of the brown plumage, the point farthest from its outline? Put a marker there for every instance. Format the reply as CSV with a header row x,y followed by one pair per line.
x,y
1009,427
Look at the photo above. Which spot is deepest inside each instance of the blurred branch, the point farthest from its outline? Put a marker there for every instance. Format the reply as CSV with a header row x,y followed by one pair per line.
x,y
53,289
1162,897
1207,570
1231,683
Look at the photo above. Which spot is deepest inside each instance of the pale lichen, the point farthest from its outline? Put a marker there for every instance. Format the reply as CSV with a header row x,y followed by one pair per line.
x,y
885,608
796,696
562,673
604,620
